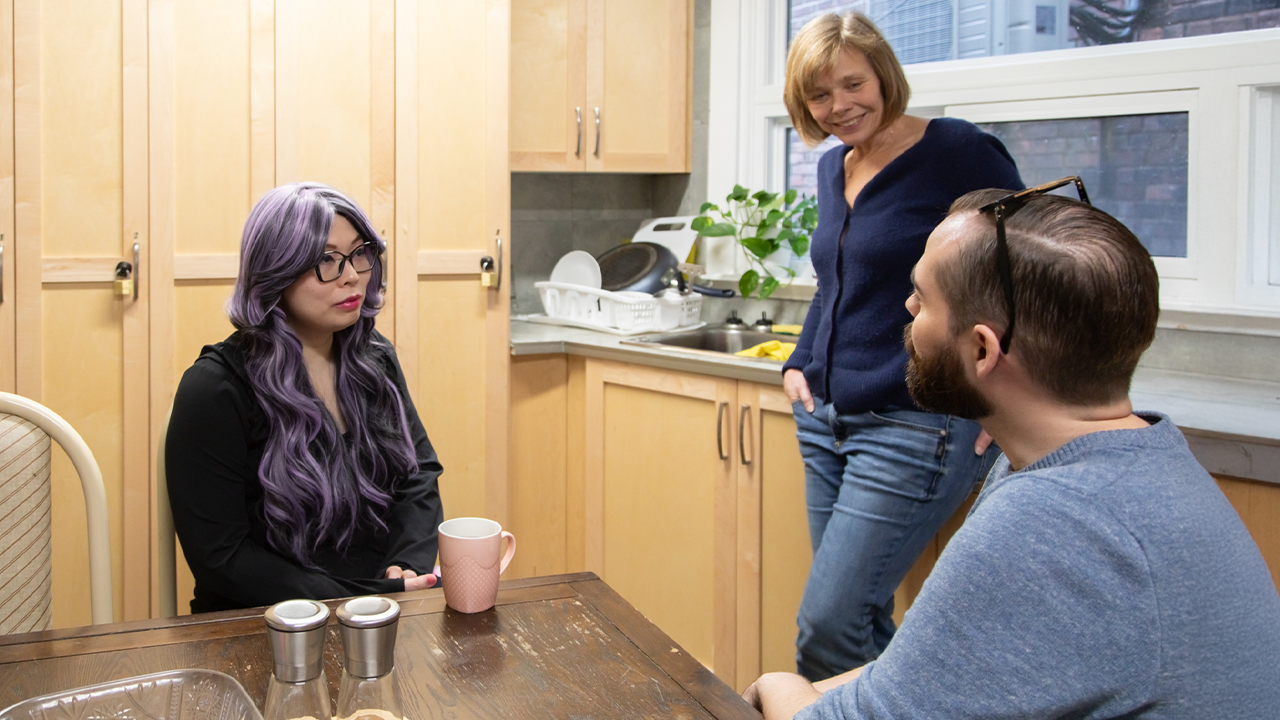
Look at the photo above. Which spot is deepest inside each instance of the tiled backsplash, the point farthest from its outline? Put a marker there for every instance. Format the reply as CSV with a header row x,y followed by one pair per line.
x,y
553,213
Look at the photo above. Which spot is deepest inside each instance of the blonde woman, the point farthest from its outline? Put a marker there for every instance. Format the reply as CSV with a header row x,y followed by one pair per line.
x,y
882,475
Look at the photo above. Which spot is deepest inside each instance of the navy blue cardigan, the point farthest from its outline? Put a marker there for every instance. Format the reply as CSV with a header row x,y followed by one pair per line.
x,y
851,348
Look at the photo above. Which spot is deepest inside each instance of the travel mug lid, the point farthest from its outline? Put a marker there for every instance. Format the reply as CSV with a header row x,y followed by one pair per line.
x,y
367,626
295,631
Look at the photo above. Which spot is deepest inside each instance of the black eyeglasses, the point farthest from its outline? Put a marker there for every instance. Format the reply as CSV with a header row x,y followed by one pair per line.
x,y
1004,208
330,266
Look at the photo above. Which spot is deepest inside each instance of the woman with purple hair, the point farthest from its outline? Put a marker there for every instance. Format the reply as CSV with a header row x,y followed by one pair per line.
x,y
296,462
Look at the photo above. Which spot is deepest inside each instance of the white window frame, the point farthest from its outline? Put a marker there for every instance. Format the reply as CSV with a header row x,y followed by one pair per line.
x,y
1212,78
1260,172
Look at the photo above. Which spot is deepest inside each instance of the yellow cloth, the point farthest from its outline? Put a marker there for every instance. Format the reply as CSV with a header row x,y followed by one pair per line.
x,y
773,350
787,329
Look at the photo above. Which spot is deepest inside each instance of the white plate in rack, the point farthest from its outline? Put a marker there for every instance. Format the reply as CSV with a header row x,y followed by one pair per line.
x,y
577,267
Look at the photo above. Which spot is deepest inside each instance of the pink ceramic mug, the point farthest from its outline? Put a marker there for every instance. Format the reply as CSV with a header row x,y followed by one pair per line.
x,y
471,560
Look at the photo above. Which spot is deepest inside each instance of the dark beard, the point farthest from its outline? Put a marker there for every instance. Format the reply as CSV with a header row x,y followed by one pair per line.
x,y
938,383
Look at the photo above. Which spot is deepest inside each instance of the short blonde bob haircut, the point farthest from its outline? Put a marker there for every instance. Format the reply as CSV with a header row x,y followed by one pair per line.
x,y
815,50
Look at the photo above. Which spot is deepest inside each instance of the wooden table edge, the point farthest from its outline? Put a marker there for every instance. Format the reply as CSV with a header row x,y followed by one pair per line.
x,y
715,696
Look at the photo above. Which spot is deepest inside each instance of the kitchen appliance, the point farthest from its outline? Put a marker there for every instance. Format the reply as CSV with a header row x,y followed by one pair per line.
x,y
673,233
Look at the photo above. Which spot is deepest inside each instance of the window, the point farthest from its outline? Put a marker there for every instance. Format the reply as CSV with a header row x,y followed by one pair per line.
x,y
931,30
1180,136
1262,281
1134,166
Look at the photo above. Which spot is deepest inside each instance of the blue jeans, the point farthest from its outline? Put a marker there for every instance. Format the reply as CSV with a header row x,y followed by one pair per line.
x,y
878,485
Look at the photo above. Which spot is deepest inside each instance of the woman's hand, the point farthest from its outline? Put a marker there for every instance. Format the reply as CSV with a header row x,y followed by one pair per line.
x,y
797,388
983,442
412,580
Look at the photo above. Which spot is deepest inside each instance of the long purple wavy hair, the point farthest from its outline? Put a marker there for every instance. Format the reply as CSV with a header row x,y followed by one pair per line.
x,y
317,486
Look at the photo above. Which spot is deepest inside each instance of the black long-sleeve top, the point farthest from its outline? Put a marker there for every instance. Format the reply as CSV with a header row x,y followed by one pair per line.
x,y
217,435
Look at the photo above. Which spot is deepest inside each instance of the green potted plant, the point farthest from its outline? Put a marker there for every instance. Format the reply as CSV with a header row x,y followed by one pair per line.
x,y
760,223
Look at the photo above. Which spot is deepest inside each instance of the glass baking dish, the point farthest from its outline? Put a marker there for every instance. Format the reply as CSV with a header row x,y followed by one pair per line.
x,y
173,695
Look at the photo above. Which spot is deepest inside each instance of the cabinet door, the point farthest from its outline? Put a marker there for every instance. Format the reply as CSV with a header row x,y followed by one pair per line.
x,y
548,85
244,96
638,66
79,203
774,552
660,503
453,208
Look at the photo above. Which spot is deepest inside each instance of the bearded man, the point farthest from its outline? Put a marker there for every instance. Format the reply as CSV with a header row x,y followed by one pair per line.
x,y
1101,573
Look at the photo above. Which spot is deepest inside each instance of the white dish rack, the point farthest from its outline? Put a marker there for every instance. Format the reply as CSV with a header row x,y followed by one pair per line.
x,y
616,312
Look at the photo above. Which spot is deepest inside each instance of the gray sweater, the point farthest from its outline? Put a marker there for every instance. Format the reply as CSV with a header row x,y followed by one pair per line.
x,y
1110,579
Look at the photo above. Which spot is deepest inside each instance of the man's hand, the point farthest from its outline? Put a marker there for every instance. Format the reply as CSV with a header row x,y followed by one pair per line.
x,y
832,683
797,388
779,696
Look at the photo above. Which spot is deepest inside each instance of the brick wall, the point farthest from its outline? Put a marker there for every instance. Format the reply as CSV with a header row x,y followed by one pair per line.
x,y
1134,167
1188,18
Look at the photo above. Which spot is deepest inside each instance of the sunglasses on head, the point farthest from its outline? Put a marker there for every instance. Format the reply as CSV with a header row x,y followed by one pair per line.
x,y
1003,209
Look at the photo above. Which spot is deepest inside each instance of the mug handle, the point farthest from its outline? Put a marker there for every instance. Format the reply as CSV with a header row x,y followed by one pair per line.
x,y
511,551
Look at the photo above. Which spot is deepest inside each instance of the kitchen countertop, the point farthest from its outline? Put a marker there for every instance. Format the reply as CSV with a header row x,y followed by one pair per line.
x,y
1233,426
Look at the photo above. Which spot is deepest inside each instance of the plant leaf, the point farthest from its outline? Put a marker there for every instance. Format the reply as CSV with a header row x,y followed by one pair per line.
x,y
739,194
809,219
790,197
763,197
768,286
760,247
701,222
707,206
718,230
799,245
748,283
772,218
785,234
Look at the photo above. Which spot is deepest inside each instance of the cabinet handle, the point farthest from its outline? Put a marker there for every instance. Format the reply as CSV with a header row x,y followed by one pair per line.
x,y
137,270
497,234
577,150
742,424
720,431
597,132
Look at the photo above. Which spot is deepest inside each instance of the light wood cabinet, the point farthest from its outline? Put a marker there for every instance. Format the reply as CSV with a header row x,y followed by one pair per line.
x,y
685,492
160,123
681,490
774,551
601,85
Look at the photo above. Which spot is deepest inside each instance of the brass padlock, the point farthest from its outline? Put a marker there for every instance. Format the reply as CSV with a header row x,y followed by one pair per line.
x,y
488,278
123,284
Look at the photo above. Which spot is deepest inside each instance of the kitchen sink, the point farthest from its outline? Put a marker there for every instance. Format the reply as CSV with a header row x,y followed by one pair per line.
x,y
713,338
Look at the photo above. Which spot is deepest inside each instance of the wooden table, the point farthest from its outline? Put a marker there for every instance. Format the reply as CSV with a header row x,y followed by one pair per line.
x,y
560,646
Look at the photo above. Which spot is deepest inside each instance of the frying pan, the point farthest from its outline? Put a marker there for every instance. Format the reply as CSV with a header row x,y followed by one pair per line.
x,y
642,267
